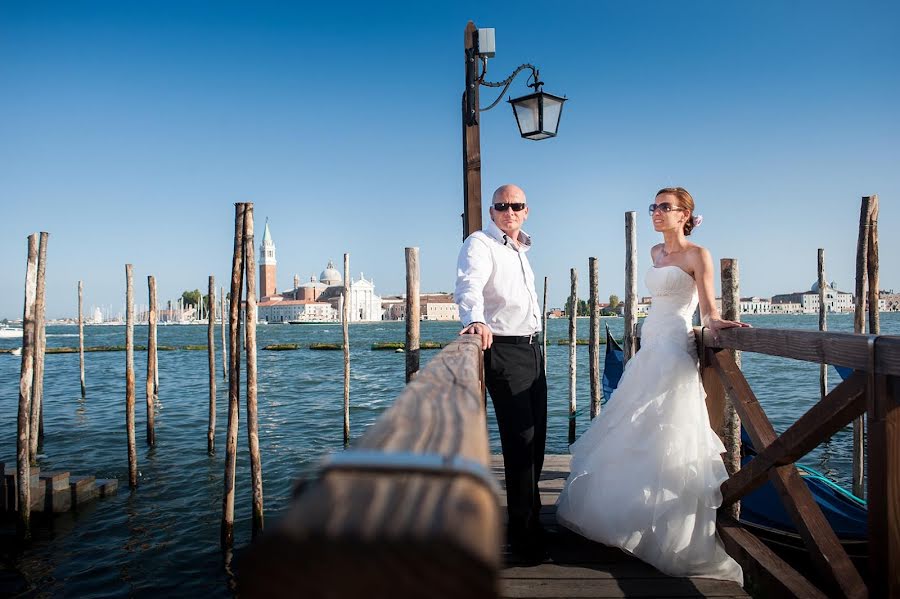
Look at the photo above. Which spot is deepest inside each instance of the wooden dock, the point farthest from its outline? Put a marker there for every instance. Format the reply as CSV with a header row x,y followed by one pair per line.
x,y
581,568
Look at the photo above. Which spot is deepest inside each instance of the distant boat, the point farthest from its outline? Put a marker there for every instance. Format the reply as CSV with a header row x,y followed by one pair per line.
x,y
16,351
8,332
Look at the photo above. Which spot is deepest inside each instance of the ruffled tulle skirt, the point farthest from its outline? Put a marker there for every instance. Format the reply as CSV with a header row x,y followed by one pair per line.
x,y
645,476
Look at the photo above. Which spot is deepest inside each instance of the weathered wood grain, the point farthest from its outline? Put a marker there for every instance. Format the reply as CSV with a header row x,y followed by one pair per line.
x,y
152,377
471,137
129,376
629,343
840,349
573,355
234,375
884,487
256,483
81,337
26,380
762,565
594,340
413,312
36,438
822,421
825,550
211,359
398,532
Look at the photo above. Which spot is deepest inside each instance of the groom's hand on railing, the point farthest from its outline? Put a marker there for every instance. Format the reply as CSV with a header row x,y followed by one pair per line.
x,y
482,330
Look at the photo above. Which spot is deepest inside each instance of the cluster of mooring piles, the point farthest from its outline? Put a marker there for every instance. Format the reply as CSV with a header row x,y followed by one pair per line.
x,y
53,492
24,489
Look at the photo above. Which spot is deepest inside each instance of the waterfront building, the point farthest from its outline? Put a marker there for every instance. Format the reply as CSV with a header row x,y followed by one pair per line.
x,y
835,300
889,302
756,305
432,306
317,300
786,308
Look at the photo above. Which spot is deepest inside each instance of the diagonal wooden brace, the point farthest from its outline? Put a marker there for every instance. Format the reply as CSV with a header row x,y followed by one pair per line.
x,y
824,548
836,410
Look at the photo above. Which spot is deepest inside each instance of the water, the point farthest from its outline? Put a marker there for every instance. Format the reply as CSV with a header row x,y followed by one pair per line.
x,y
165,536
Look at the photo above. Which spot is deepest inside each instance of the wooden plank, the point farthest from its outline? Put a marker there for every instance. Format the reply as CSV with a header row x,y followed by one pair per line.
x,y
399,532
840,349
762,566
824,548
822,421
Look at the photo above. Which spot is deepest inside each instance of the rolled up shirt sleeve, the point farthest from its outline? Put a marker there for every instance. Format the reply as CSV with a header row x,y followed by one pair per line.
x,y
473,269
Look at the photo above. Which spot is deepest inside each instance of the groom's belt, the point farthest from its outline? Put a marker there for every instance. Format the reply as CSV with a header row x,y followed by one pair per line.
x,y
529,339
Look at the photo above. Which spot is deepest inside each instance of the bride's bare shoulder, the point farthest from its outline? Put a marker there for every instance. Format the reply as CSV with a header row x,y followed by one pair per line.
x,y
655,250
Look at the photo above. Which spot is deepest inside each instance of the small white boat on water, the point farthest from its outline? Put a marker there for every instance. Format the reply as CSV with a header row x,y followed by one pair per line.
x,y
16,351
7,332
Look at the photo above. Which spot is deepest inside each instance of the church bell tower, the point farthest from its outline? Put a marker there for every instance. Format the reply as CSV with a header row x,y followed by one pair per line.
x,y
267,265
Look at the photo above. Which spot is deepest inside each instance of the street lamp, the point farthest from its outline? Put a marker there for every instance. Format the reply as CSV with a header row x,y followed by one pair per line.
x,y
537,116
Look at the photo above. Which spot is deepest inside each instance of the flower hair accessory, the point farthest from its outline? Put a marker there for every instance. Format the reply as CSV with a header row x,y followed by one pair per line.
x,y
697,220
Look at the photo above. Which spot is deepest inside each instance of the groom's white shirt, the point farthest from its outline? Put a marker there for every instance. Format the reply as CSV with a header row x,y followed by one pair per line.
x,y
495,283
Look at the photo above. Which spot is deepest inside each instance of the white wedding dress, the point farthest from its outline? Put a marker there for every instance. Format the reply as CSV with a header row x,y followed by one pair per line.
x,y
645,476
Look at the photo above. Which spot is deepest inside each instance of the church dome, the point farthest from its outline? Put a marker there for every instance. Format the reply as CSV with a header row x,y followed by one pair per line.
x,y
330,276
815,286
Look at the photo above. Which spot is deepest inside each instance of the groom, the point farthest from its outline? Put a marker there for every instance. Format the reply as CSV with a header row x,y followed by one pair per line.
x,y
497,301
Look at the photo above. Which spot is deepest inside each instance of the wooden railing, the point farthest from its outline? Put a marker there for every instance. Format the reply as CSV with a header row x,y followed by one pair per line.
x,y
874,390
410,510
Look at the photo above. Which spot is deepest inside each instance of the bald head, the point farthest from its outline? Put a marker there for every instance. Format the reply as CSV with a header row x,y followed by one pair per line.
x,y
509,220
508,193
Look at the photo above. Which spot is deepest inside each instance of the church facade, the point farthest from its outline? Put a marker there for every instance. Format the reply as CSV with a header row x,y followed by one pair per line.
x,y
316,300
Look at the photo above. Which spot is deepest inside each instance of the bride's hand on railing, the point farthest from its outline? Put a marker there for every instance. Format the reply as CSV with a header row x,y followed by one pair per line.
x,y
717,324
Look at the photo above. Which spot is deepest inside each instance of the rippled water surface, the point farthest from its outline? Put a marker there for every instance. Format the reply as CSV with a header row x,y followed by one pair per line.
x,y
165,535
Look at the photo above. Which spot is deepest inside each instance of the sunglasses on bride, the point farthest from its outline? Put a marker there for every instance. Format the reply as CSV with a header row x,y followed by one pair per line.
x,y
664,207
516,206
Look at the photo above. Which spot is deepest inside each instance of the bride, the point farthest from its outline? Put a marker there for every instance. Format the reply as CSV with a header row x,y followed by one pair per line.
x,y
645,476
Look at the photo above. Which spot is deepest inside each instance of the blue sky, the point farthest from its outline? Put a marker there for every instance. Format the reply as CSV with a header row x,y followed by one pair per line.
x,y
128,131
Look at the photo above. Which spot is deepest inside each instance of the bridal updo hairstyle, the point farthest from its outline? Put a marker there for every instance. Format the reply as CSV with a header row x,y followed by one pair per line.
x,y
684,201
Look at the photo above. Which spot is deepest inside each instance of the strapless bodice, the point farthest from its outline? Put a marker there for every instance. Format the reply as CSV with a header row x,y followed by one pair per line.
x,y
672,309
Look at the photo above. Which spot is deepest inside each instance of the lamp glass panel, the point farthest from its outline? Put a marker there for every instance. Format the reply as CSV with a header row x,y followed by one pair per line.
x,y
527,115
552,110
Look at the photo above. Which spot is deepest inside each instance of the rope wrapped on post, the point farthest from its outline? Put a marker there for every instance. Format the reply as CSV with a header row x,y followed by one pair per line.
x,y
411,510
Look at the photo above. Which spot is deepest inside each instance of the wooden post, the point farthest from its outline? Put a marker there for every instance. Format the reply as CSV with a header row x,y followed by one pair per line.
x,y
871,269
823,323
234,373
859,327
883,416
594,347
345,326
151,362
573,334
211,355
129,375
413,312
224,340
26,380
252,418
544,327
471,133
731,433
36,439
629,343
81,337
